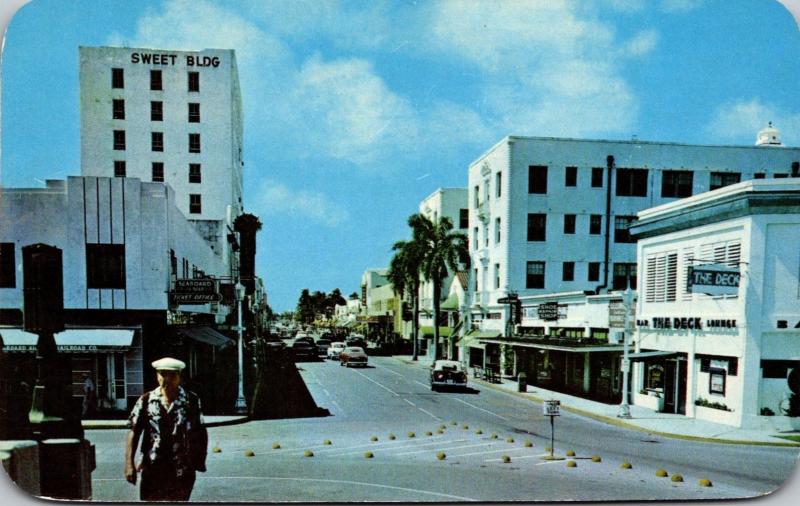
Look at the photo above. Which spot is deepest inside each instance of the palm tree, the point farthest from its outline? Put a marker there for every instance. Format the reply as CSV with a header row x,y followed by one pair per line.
x,y
404,275
441,249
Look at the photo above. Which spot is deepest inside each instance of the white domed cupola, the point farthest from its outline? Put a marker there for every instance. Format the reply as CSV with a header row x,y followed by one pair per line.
x,y
769,136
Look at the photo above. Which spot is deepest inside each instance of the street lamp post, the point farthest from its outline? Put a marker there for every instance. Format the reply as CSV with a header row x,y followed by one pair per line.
x,y
627,302
241,402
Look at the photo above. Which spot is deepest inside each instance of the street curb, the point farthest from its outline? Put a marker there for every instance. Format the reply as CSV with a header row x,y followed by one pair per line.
x,y
620,423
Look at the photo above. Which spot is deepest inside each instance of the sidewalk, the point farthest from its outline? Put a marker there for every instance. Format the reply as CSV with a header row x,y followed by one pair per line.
x,y
210,421
643,419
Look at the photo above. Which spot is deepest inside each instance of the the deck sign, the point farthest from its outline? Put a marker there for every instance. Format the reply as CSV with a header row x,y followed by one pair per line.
x,y
714,279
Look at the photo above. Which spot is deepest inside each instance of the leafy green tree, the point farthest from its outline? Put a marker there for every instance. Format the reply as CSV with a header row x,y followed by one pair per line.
x,y
404,275
441,249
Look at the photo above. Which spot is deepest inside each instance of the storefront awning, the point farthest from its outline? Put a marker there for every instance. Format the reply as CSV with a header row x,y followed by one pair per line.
x,y
451,304
555,347
206,335
70,340
644,355
472,338
426,331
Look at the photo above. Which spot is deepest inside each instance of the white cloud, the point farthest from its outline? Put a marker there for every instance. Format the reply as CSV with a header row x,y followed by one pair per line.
x,y
740,121
274,198
641,44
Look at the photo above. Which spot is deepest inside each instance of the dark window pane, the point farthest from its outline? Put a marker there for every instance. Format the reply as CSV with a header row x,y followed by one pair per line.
x,y
721,179
759,175
624,276
594,271
194,113
676,183
534,275
155,80
631,182
117,78
595,224
571,176
568,271
158,172
119,140
8,267
537,179
157,141
194,204
194,143
156,111
194,81
119,168
463,218
537,227
569,223
621,232
597,177
105,266
118,109
194,173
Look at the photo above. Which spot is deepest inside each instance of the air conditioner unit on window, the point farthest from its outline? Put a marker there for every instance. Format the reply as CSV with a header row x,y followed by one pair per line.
x,y
616,337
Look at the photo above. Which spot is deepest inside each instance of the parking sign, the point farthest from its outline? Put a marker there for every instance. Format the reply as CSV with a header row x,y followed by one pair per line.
x,y
552,407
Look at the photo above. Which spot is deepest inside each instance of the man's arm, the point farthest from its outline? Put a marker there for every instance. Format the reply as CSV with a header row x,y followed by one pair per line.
x,y
130,452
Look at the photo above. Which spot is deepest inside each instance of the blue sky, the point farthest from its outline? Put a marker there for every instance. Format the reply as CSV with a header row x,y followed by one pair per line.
x,y
355,111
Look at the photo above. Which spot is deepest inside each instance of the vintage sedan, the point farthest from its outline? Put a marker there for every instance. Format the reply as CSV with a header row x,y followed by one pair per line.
x,y
353,355
335,349
448,373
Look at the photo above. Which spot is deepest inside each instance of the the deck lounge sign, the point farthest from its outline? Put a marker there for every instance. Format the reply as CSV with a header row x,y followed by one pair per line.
x,y
714,279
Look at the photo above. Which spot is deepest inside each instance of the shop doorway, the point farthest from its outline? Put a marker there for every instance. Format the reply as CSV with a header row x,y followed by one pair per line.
x,y
675,385
111,386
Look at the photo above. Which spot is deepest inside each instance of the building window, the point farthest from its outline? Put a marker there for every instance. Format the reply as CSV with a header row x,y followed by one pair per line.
x,y
676,183
119,140
759,175
194,143
194,112
537,179
631,182
118,106
8,265
156,111
568,271
716,381
496,276
571,176
463,218
475,273
534,275
194,173
569,223
594,271
157,141
486,236
661,277
595,224
537,227
623,273
155,80
497,230
780,175
194,203
720,179
621,229
158,172
498,178
105,266
119,168
597,177
475,237
117,78
194,81
477,196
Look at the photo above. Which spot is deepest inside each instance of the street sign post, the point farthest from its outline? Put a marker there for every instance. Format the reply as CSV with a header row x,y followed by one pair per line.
x,y
552,408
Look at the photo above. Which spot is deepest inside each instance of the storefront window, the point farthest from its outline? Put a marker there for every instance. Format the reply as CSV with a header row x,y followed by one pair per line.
x,y
716,381
655,377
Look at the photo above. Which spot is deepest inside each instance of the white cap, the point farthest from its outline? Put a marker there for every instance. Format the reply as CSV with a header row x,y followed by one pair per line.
x,y
168,364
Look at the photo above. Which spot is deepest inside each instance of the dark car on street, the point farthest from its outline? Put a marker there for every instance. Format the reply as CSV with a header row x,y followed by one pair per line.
x,y
302,349
448,373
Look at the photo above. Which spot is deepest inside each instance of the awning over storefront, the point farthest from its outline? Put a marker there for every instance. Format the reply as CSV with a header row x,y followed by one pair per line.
x,y
206,335
644,355
70,340
472,338
451,304
426,331
555,347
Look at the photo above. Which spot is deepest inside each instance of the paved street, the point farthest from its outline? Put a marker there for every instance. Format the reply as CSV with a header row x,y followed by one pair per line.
x,y
393,398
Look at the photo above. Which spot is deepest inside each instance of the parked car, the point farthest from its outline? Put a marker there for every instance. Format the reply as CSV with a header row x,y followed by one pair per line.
x,y
448,373
356,340
303,349
335,349
322,346
353,355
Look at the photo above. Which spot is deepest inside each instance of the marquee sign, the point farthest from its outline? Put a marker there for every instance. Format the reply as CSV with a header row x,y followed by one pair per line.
x,y
714,279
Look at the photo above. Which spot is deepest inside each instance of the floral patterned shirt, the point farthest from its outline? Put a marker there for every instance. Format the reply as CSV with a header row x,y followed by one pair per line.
x,y
174,433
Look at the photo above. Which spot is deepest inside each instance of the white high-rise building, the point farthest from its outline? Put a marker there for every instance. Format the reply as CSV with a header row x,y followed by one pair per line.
x,y
167,116
551,215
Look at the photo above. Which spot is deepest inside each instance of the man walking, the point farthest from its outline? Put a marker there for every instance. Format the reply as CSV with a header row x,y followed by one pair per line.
x,y
174,441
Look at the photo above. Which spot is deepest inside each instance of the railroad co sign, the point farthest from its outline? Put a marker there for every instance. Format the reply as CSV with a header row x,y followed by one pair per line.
x,y
552,407
714,279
